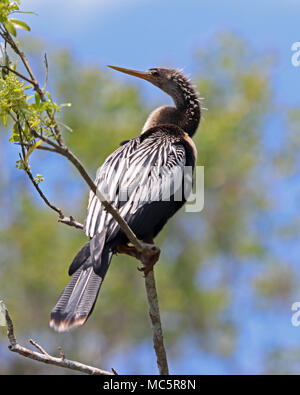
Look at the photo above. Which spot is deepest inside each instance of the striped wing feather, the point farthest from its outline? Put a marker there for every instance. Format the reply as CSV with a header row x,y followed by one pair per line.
x,y
135,174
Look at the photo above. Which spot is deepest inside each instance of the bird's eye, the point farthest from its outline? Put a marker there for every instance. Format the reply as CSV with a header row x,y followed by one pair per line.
x,y
154,72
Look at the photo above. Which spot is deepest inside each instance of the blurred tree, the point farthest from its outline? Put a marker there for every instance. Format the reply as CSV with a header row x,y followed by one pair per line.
x,y
203,254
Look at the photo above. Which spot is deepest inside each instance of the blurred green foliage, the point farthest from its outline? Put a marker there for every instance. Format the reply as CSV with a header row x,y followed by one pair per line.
x,y
202,254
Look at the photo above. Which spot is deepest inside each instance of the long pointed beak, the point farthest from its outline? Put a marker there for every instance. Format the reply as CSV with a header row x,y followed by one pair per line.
x,y
145,75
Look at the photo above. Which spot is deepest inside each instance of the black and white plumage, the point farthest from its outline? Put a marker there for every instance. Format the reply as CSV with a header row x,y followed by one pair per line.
x,y
144,179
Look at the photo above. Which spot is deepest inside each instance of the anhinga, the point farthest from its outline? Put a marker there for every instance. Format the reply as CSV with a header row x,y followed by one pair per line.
x,y
144,168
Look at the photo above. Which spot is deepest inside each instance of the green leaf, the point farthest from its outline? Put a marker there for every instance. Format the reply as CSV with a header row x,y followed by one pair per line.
x,y
16,129
14,138
15,133
37,99
65,126
54,105
31,149
4,119
29,97
19,24
10,27
26,131
27,12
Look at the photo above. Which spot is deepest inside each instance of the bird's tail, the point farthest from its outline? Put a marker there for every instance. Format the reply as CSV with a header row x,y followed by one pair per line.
x,y
78,299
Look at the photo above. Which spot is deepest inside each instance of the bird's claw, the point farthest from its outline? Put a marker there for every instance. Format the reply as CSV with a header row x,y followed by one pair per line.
x,y
146,269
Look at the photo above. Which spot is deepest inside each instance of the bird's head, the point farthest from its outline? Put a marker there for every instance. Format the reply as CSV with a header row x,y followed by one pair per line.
x,y
171,81
187,112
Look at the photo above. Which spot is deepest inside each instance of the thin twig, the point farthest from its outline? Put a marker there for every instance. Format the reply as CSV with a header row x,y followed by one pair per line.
x,y
40,147
148,262
62,218
21,139
7,37
17,73
158,341
40,348
71,222
43,356
61,353
46,70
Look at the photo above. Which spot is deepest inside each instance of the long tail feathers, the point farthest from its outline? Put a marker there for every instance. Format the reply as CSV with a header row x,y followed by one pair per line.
x,y
78,299
76,302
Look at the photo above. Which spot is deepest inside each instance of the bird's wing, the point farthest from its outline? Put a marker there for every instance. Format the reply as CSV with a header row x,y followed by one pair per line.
x,y
138,173
96,218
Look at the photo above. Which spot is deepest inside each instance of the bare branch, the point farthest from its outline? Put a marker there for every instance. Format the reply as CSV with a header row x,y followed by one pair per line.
x,y
43,356
47,70
21,139
158,341
148,262
71,222
17,74
40,348
7,38
40,147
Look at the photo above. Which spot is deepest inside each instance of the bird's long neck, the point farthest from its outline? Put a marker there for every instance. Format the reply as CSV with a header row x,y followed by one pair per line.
x,y
187,103
187,111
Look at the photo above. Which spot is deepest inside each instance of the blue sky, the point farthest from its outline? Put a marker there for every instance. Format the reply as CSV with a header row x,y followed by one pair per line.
x,y
148,33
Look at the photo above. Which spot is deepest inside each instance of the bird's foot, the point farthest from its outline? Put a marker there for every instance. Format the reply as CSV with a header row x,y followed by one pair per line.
x,y
149,256
149,262
128,250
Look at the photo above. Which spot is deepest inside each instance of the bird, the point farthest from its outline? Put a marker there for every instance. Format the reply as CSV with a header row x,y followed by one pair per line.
x,y
137,178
